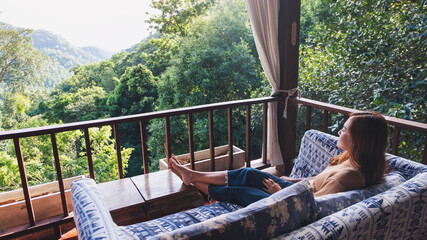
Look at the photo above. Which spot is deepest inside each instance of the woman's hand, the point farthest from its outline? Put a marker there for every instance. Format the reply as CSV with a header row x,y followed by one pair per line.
x,y
291,179
270,186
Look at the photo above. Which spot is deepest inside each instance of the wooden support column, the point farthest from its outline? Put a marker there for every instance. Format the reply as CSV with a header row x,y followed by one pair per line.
x,y
289,25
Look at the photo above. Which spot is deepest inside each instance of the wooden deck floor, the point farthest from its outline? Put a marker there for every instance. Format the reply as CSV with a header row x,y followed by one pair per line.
x,y
144,197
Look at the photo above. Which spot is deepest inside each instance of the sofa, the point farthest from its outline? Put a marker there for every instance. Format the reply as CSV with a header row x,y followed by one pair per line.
x,y
394,208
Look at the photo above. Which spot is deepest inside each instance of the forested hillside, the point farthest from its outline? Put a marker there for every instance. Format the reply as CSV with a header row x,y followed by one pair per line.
x,y
358,54
65,53
64,56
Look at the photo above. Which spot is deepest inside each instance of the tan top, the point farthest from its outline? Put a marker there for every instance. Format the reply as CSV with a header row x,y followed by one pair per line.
x,y
338,178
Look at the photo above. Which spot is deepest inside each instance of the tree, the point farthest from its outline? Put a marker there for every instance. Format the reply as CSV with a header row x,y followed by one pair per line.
x,y
85,104
176,15
215,62
136,93
20,63
370,56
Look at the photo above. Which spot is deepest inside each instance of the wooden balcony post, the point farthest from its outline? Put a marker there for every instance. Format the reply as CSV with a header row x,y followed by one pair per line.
x,y
89,154
230,138
325,121
143,131
211,139
395,144
168,138
248,136
24,182
289,24
264,133
424,161
59,174
118,149
191,140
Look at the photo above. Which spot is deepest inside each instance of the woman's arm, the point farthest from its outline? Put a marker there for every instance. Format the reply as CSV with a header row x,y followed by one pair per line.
x,y
295,179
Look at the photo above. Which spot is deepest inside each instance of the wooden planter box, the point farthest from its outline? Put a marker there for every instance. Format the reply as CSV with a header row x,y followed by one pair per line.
x,y
46,201
202,159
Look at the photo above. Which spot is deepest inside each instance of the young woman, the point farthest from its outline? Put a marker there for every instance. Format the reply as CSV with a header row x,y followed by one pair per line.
x,y
363,139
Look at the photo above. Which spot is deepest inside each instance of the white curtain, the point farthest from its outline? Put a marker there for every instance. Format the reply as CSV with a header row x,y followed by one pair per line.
x,y
264,15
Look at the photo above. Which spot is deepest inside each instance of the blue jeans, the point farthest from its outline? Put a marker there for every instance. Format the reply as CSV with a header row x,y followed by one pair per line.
x,y
244,186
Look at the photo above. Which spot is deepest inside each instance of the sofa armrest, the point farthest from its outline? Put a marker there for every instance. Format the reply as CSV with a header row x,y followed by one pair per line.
x,y
281,212
91,215
398,213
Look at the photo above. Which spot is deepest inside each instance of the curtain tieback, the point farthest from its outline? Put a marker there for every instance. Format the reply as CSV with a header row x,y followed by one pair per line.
x,y
290,93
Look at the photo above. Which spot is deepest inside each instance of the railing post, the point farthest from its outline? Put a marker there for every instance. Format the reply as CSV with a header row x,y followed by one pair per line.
x,y
248,135
211,140
89,154
24,181
230,138
118,150
191,140
168,138
308,118
143,132
59,174
264,133
395,144
425,150
325,121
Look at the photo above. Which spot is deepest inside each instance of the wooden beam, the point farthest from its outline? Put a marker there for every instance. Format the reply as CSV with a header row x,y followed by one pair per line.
x,y
191,140
118,149
230,137
143,132
289,22
24,182
89,154
211,139
248,136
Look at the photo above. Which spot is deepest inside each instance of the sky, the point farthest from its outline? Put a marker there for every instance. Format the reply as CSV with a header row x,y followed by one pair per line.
x,y
110,25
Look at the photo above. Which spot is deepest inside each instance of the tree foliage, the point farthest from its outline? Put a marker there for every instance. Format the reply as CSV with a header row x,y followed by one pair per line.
x,y
215,62
176,15
371,55
20,63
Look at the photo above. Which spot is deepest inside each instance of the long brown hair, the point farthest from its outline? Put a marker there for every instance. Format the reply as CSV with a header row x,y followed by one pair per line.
x,y
369,135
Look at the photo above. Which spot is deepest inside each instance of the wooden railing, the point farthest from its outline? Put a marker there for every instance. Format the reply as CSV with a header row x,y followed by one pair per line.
x,y
52,130
16,135
397,123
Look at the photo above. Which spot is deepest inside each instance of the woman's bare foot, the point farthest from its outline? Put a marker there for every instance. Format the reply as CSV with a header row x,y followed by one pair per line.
x,y
171,168
184,173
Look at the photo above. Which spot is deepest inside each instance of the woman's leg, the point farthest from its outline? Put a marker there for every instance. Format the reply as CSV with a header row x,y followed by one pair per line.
x,y
236,194
189,176
251,177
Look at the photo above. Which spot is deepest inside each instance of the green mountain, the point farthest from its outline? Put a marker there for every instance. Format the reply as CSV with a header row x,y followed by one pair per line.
x,y
64,56
64,53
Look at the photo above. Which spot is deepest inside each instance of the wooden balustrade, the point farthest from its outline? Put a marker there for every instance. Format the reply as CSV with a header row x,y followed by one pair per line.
x,y
189,111
142,119
397,123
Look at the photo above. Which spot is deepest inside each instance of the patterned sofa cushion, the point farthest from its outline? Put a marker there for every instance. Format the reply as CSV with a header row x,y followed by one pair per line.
x,y
332,203
91,215
282,212
317,148
177,220
398,213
